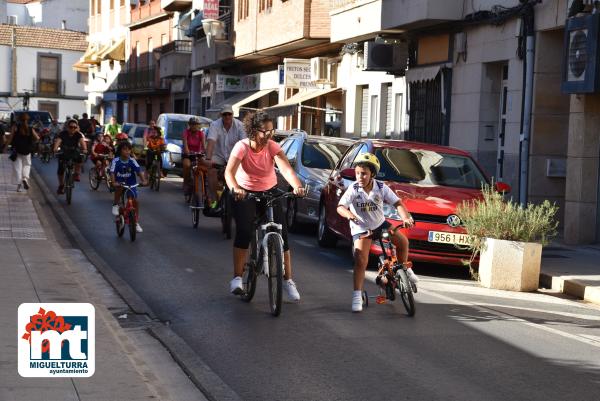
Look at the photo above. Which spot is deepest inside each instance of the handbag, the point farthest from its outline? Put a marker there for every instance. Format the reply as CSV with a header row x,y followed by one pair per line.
x,y
13,154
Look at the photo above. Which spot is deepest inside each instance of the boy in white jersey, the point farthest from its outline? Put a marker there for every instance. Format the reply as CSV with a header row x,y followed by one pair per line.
x,y
362,204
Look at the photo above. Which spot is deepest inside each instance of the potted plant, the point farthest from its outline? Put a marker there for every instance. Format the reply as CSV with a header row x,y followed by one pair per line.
x,y
508,239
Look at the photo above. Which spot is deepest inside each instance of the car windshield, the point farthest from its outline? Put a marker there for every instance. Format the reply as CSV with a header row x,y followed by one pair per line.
x,y
428,167
42,116
322,155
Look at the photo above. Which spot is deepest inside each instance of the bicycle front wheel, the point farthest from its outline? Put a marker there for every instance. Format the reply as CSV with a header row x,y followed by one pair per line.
x,y
275,265
406,294
195,208
157,178
94,181
132,224
120,225
69,186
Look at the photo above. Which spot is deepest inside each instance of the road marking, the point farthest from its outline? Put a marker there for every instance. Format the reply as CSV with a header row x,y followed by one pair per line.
x,y
568,314
187,269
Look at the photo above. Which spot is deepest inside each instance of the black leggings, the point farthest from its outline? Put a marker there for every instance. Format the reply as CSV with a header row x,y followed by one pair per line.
x,y
245,212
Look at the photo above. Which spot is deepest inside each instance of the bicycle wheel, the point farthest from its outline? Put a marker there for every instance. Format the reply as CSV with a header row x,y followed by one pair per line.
x,y
120,225
132,231
275,264
405,290
250,272
69,185
195,208
226,213
151,177
94,179
157,177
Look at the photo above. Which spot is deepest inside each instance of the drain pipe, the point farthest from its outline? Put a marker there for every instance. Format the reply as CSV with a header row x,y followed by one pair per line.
x,y
13,63
529,31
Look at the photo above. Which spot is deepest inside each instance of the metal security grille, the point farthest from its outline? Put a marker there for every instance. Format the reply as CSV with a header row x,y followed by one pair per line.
x,y
426,121
364,111
388,111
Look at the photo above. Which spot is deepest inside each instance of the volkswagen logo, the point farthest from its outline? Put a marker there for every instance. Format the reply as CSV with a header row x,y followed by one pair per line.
x,y
453,220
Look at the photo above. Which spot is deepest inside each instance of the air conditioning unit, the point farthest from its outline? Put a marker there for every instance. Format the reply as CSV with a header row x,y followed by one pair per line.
x,y
318,70
12,20
381,56
580,62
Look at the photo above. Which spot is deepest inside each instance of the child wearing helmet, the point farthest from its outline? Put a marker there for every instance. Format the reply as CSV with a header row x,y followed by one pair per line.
x,y
362,204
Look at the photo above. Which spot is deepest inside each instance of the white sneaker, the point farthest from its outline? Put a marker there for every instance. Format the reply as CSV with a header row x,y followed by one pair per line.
x,y
291,290
235,286
357,301
138,228
412,276
115,210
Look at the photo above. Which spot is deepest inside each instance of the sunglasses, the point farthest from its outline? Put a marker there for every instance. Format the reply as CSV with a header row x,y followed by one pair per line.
x,y
73,127
266,132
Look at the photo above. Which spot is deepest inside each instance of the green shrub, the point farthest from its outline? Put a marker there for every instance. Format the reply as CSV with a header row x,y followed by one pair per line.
x,y
494,217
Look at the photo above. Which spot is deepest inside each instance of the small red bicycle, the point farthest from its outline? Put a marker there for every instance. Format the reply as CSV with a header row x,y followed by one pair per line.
x,y
127,214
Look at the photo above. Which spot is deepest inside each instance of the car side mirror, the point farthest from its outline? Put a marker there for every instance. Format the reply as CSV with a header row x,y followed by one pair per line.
x,y
502,187
348,174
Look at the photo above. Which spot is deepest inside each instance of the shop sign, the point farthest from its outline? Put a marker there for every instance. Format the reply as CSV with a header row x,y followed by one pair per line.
x,y
297,74
237,83
211,9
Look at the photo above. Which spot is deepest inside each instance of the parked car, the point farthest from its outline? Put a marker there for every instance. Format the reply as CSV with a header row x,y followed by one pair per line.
x,y
172,126
136,137
313,158
126,127
281,134
43,118
431,180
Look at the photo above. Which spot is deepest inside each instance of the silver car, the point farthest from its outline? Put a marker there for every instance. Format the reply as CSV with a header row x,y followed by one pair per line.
x,y
313,158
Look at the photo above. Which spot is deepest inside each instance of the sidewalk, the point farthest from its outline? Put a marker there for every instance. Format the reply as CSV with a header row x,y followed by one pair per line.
x,y
572,270
130,363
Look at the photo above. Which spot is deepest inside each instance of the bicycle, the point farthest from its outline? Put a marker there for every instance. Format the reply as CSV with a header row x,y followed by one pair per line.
x,y
392,276
196,199
155,171
266,253
96,176
224,206
45,153
127,214
69,174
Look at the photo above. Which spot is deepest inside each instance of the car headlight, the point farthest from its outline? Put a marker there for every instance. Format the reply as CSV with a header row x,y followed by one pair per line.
x,y
314,186
390,212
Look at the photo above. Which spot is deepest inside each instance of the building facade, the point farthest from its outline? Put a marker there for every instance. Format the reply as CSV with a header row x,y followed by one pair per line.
x,y
37,61
54,14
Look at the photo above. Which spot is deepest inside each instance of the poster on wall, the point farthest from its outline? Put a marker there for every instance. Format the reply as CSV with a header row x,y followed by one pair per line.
x,y
237,83
297,74
211,9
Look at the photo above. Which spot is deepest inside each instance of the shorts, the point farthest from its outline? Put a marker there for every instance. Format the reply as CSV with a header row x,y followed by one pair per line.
x,y
375,234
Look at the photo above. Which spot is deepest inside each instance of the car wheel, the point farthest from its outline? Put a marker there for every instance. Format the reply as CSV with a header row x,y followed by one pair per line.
x,y
325,237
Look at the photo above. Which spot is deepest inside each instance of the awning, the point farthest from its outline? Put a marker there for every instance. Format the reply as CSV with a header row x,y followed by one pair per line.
x,y
290,106
237,101
97,57
80,67
115,52
422,74
87,57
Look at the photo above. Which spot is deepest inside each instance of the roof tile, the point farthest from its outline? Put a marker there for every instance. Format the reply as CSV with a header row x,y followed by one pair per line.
x,y
31,36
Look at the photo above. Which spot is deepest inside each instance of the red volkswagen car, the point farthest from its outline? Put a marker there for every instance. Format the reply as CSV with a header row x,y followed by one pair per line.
x,y
431,180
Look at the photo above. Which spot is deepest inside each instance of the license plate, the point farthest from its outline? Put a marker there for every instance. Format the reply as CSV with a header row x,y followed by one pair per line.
x,y
449,238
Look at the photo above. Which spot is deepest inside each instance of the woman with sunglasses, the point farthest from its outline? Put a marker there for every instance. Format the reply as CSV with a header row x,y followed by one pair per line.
x,y
72,144
251,168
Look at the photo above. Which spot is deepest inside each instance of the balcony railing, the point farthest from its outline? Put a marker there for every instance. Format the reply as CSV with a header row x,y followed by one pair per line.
x,y
177,46
225,16
138,80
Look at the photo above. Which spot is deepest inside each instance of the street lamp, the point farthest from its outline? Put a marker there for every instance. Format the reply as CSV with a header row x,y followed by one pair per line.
x,y
213,29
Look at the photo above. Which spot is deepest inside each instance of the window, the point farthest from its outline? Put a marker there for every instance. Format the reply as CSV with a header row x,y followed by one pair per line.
x,y
49,74
292,152
137,54
150,56
264,5
374,125
99,6
136,113
93,8
364,116
388,110
122,3
243,9
82,77
112,4
163,39
50,107
351,155
322,155
398,111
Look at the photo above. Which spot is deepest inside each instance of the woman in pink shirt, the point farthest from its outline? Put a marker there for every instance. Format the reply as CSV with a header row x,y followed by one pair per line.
x,y
193,143
251,168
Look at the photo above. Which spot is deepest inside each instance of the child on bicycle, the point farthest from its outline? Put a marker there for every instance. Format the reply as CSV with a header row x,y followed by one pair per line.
x,y
154,144
362,205
100,149
123,171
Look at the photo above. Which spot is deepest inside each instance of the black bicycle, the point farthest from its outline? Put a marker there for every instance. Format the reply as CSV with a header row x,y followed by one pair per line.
x,y
155,171
266,252
69,174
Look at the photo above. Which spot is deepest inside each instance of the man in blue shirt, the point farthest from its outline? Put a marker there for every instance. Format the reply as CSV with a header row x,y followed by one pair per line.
x,y
123,171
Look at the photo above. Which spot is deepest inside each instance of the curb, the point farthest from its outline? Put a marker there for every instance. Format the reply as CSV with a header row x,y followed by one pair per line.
x,y
208,382
572,287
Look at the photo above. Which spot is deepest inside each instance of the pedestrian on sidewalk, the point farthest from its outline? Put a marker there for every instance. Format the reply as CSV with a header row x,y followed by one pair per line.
x,y
22,138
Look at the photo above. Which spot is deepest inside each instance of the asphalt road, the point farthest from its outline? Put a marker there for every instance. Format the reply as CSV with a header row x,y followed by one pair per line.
x,y
465,342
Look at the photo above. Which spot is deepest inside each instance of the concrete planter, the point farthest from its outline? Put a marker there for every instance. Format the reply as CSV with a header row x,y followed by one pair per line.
x,y
510,265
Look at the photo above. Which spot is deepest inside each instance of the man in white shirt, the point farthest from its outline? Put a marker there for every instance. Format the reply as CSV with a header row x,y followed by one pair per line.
x,y
223,134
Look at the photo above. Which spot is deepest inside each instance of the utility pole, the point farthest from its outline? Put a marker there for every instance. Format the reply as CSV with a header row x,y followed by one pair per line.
x,y
13,50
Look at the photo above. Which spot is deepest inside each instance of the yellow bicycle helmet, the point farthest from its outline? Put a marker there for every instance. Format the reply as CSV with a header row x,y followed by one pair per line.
x,y
367,158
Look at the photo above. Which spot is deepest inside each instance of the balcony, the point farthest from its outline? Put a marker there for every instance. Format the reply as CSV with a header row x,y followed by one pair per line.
x,y
220,47
175,59
355,20
142,80
175,5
